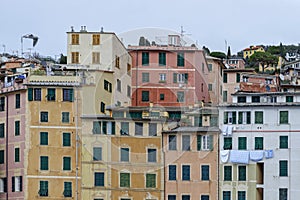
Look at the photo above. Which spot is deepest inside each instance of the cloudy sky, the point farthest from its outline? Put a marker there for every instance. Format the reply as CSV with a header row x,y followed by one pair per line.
x,y
206,22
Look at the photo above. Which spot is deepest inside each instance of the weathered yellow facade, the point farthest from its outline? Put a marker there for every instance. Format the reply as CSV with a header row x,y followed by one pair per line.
x,y
47,175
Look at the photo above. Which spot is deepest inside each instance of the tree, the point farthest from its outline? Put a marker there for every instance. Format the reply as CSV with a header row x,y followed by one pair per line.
x,y
62,59
218,54
228,52
263,58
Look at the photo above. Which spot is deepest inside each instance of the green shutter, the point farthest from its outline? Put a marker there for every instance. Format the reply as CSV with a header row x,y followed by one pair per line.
x,y
199,138
186,76
66,139
150,180
238,77
1,156
17,128
227,173
259,143
30,94
225,117
124,180
242,173
240,120
283,168
233,117
104,129
242,143
44,163
284,117
43,138
283,142
71,95
113,128
258,117
175,77
227,143
66,163
17,154
248,117
211,142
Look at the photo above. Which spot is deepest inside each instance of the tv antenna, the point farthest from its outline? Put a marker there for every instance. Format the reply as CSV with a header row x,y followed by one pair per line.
x,y
182,34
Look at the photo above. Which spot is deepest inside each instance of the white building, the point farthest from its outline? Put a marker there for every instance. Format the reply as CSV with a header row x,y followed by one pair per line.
x,y
102,51
259,147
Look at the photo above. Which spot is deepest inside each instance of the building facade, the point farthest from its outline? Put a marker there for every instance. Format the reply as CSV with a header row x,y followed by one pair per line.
x,y
168,75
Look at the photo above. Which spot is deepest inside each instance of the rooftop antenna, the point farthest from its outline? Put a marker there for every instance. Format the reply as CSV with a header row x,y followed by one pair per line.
x,y
182,34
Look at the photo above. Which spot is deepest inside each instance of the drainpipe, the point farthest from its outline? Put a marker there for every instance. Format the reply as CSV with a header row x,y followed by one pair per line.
x,y
6,146
136,78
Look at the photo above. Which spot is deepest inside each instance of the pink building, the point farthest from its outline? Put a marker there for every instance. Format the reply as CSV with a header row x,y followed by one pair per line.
x,y
191,162
12,137
168,75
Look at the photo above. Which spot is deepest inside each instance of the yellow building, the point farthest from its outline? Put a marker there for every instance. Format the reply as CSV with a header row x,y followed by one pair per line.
x,y
248,52
53,121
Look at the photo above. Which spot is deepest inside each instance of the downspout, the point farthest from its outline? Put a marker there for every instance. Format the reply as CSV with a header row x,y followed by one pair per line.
x,y
6,147
136,78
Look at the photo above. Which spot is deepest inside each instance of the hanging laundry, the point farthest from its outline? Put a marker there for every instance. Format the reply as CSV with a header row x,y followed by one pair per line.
x,y
269,154
224,154
256,155
229,132
224,130
238,156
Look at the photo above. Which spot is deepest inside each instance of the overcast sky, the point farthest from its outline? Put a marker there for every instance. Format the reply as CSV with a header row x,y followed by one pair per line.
x,y
207,22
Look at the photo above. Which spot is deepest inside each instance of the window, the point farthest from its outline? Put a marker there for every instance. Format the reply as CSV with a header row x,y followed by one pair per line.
x,y
3,185
43,192
17,128
227,173
242,143
44,163
224,96
96,127
2,103
258,117
128,69
99,179
124,154
180,59
18,100
172,142
209,67
1,156
97,153
43,138
242,99
68,95
67,189
75,39
145,95
117,62
162,58
145,58
180,96
284,117
186,143
102,107
283,142
204,142
241,195
229,117
37,92
238,77
124,128
17,154
185,172
227,143
172,172
255,99
162,77
44,117
152,129
283,193
17,183
225,78
119,85
51,94
204,197
145,77
151,155
2,130
107,86
259,143
185,197
66,163
150,180
209,87
96,58
244,117
75,57
65,117
214,121
283,168
66,139
128,91
289,99
242,173
96,39
205,172
138,128
171,197
182,78
124,180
